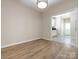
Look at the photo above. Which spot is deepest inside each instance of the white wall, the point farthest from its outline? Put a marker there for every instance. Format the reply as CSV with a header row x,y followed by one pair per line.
x,y
63,7
19,23
74,27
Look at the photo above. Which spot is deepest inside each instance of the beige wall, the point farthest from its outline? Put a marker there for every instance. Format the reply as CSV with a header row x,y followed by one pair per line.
x,y
22,24
19,23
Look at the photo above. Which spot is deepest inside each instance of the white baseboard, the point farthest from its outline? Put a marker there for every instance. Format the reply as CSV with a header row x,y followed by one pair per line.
x,y
4,46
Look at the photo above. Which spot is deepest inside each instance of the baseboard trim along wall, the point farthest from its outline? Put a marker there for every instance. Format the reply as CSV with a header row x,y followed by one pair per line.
x,y
31,40
4,46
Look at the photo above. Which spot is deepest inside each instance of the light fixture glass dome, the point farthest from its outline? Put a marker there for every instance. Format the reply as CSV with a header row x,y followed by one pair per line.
x,y
42,5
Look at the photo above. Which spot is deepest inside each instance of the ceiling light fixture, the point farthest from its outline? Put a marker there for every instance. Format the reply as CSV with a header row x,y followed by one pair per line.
x,y
42,4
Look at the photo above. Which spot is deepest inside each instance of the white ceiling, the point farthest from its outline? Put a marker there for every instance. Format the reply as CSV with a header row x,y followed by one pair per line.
x,y
33,4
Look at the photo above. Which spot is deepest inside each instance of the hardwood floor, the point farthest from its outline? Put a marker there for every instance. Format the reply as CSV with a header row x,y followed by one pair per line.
x,y
39,49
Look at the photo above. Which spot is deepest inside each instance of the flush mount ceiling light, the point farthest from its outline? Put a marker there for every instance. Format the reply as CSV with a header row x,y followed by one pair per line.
x,y
42,4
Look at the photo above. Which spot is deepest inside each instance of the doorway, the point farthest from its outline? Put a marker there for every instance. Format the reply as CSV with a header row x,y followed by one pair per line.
x,y
66,28
61,28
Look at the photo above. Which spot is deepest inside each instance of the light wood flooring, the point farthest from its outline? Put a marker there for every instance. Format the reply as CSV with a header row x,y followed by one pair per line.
x,y
39,49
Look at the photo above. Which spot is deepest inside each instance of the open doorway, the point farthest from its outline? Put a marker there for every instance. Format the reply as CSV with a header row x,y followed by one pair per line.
x,y
67,27
61,25
64,28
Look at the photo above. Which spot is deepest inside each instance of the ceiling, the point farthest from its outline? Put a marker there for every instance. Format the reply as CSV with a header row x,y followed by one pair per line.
x,y
33,4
